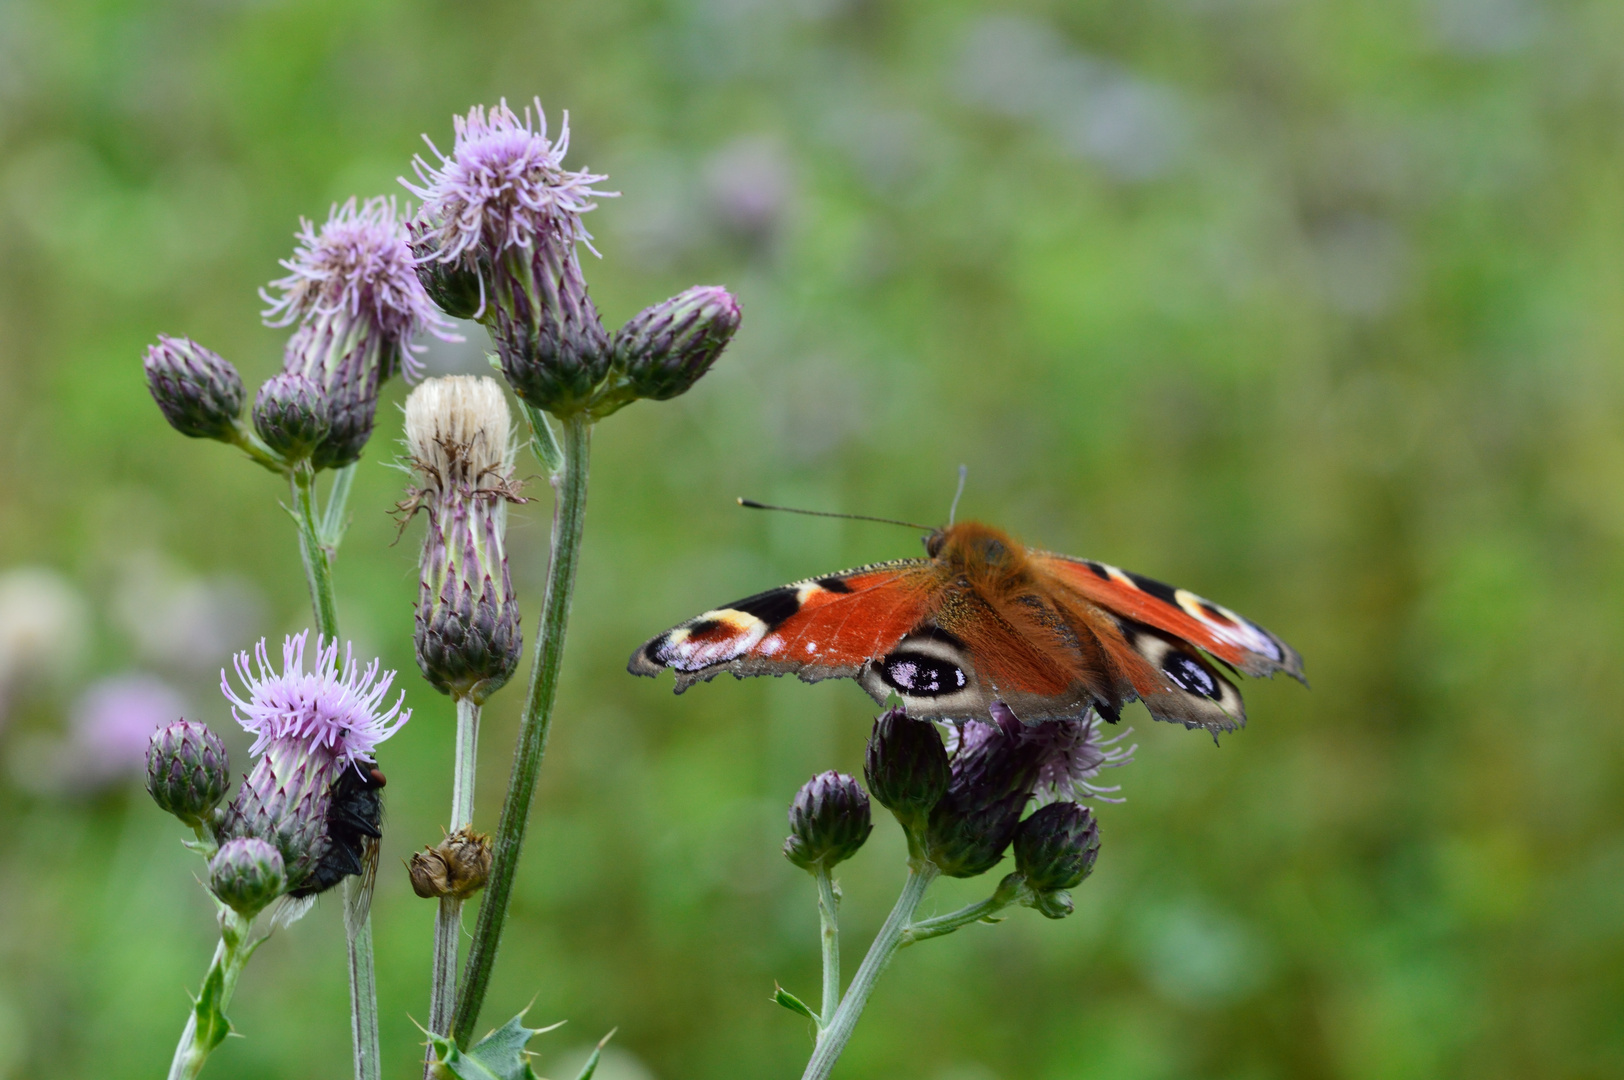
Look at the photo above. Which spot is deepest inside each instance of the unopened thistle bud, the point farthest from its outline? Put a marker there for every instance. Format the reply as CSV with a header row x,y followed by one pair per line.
x,y
457,868
993,775
458,431
354,295
455,285
828,822
309,728
549,339
247,874
502,203
188,771
906,766
200,393
292,415
663,350
1055,850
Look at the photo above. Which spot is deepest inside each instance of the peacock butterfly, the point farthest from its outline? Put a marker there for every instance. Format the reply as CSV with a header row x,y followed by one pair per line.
x,y
981,619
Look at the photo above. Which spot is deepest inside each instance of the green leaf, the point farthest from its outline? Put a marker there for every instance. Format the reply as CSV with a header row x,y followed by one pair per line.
x,y
499,1056
591,1065
212,1025
794,1004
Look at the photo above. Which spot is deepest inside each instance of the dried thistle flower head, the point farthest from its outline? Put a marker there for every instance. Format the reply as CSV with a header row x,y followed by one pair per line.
x,y
458,430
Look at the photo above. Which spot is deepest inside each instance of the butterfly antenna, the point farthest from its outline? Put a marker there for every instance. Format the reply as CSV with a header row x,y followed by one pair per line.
x,y
753,505
952,511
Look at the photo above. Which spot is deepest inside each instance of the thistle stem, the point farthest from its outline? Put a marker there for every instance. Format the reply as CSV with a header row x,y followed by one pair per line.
x,y
317,559
569,516
318,537
945,924
838,1030
207,1026
448,921
829,917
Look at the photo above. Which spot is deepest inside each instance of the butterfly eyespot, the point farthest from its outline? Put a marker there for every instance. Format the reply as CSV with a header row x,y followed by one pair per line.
x,y
918,675
1190,676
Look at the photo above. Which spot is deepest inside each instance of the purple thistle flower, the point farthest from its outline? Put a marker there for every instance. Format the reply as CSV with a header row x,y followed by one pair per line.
x,y
503,186
1071,753
331,709
354,294
309,726
359,264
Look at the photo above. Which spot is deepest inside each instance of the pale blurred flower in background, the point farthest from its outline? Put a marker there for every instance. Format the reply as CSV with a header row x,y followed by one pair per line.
x,y
43,626
109,726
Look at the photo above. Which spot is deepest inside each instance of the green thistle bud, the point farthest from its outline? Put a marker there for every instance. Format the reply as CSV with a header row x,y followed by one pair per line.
x,y
200,393
828,822
246,874
454,286
458,431
906,766
187,771
550,343
292,415
1055,850
663,350
993,774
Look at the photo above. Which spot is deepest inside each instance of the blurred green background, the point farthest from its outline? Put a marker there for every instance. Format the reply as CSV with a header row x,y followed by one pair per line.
x,y
1314,308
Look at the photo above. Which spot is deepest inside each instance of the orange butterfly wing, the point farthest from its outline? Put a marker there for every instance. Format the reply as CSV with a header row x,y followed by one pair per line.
x,y
821,628
1236,641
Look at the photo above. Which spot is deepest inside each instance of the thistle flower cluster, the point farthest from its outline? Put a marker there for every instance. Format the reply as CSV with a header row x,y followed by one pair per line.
x,y
353,294
458,432
496,240
353,297
961,803
315,730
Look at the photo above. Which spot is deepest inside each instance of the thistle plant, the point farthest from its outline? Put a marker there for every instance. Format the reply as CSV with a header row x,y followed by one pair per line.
x,y
496,239
354,301
288,833
961,812
458,433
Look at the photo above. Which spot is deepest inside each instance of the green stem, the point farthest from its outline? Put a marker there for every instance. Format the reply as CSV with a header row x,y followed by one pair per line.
x,y
448,921
946,924
569,515
318,563
833,1038
318,537
829,917
363,979
208,1027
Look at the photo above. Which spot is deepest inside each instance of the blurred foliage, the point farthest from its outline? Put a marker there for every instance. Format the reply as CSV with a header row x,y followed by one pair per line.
x,y
1314,308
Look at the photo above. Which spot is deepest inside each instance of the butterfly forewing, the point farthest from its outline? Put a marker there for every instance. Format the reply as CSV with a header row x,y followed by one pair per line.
x,y
1179,612
821,628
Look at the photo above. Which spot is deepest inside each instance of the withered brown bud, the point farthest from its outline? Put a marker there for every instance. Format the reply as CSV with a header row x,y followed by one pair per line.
x,y
456,868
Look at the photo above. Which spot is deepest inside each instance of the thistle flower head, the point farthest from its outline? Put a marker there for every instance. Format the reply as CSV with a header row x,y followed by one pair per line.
x,y
503,186
335,710
1071,753
359,265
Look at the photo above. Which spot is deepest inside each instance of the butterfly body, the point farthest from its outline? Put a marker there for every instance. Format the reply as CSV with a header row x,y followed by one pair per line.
x,y
982,618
